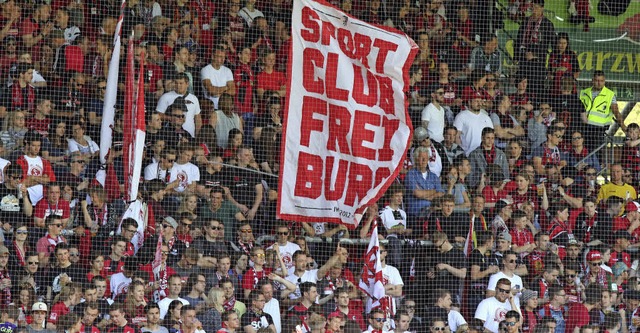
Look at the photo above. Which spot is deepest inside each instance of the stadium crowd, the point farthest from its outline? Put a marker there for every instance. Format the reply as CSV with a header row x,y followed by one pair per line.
x,y
500,180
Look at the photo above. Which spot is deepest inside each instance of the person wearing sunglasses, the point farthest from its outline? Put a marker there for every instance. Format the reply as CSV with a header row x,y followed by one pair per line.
x,y
511,322
502,302
555,308
377,319
439,325
47,244
284,246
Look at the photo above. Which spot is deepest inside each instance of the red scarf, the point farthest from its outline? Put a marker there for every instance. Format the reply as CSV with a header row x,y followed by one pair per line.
x,y
491,156
18,99
229,304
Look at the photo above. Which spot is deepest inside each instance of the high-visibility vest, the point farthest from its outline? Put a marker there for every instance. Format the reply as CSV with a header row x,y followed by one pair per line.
x,y
599,108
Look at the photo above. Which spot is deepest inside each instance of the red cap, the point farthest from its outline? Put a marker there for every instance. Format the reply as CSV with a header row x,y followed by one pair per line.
x,y
470,94
335,314
632,206
594,255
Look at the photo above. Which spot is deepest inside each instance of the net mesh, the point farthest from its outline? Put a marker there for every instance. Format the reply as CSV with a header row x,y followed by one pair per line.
x,y
517,193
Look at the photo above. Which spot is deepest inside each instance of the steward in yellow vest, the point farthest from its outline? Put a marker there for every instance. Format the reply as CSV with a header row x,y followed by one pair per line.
x,y
600,107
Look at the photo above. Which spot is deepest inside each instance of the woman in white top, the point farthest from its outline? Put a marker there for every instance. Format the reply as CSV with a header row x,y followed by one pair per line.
x,y
82,145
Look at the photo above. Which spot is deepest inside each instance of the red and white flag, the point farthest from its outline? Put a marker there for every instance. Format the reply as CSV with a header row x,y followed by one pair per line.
x,y
108,109
134,127
346,128
371,282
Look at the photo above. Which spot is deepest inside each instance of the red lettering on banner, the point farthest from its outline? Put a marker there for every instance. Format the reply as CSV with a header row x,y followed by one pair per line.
x,y
360,180
339,127
390,126
387,102
362,134
309,18
311,59
357,92
309,176
355,46
384,47
381,174
333,91
311,105
314,178
363,48
340,180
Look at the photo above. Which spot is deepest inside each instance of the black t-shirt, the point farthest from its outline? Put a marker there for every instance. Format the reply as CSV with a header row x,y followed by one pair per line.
x,y
256,320
11,206
74,272
444,279
478,259
242,186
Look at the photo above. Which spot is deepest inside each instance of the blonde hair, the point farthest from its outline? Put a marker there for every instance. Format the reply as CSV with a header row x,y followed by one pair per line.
x,y
215,298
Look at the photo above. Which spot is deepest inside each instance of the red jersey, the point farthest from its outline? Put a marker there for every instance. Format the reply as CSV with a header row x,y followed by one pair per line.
x,y
44,209
57,310
251,277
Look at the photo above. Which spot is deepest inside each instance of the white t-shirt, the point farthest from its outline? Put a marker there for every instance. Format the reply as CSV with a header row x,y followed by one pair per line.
x,y
218,78
153,171
187,173
75,146
249,16
470,126
435,117
164,305
308,276
119,284
516,282
455,320
286,252
492,312
391,220
273,308
193,109
390,275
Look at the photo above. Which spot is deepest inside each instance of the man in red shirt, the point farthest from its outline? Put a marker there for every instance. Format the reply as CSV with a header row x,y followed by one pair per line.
x,y
53,205
579,314
118,320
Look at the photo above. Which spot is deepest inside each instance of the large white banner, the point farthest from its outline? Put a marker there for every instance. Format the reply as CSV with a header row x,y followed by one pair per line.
x,y
346,128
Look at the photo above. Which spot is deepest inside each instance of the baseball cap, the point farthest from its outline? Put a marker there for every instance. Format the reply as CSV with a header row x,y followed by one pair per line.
x,y
527,294
335,314
472,94
171,221
594,255
420,133
504,236
632,206
39,306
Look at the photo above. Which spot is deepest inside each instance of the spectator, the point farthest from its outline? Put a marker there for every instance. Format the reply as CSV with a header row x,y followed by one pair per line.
x,y
492,308
225,119
152,325
596,120
507,123
487,154
616,187
487,57
175,287
451,148
255,318
423,184
509,264
192,119
470,123
377,320
433,115
536,37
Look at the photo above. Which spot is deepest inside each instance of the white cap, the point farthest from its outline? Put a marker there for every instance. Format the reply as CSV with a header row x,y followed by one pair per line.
x,y
39,306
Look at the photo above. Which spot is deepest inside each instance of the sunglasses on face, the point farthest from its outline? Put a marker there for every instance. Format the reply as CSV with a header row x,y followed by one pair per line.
x,y
510,323
380,320
506,291
439,328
